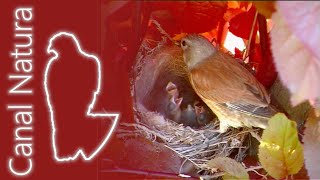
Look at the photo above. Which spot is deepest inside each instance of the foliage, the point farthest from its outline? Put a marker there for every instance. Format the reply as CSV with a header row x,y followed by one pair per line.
x,y
280,151
232,168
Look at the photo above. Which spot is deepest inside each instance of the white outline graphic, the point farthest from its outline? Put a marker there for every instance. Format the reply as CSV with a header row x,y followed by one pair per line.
x,y
80,151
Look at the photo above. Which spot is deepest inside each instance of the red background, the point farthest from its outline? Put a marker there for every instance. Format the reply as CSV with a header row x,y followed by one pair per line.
x,y
83,19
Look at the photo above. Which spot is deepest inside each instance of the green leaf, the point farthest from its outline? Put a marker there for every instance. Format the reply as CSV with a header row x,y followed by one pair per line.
x,y
280,152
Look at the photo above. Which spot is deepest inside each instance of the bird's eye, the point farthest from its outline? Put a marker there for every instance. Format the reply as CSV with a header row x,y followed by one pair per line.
x,y
183,43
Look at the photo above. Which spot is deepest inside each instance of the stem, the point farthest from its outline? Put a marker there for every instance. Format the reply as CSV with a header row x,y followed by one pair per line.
x,y
250,37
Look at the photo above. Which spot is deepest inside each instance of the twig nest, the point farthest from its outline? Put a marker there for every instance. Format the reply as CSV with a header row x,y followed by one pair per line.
x,y
154,69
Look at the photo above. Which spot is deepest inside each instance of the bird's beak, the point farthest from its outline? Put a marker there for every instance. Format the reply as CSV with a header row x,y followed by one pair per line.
x,y
170,86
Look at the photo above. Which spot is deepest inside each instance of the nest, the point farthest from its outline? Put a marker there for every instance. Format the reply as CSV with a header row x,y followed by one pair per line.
x,y
197,145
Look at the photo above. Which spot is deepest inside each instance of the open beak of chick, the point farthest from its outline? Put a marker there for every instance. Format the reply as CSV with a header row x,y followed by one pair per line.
x,y
172,90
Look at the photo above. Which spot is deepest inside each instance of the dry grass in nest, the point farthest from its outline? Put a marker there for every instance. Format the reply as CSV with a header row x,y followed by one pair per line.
x,y
196,145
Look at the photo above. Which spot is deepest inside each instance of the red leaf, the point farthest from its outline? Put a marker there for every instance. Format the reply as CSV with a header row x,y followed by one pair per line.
x,y
241,24
266,72
191,17
237,53
295,49
231,13
198,17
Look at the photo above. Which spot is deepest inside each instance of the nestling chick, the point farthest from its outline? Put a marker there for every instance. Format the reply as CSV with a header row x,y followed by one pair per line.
x,y
228,89
204,116
172,90
173,107
188,117
173,110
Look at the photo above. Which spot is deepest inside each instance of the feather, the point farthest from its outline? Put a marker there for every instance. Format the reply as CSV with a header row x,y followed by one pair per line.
x,y
228,88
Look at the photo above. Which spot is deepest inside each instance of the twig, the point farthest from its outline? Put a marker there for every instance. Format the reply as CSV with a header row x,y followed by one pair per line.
x,y
253,168
181,155
145,129
250,36
162,31
182,165
263,176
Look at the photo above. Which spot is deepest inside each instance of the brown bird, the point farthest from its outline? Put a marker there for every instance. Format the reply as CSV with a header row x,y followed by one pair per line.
x,y
228,89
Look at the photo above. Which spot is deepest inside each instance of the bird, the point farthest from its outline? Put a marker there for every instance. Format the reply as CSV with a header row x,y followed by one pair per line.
x,y
189,117
172,90
225,86
193,116
173,109
173,105
203,114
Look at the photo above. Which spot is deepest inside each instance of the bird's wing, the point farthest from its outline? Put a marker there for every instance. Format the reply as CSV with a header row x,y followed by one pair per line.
x,y
225,82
